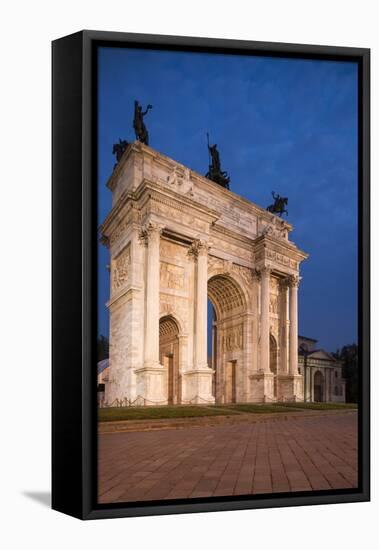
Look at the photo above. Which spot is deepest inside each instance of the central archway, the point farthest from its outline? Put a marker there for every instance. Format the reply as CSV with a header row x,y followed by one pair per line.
x,y
226,330
169,357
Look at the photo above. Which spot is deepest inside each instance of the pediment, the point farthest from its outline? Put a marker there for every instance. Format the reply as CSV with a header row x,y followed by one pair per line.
x,y
323,355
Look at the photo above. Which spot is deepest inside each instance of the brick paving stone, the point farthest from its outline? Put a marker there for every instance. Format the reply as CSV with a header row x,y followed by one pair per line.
x,y
272,456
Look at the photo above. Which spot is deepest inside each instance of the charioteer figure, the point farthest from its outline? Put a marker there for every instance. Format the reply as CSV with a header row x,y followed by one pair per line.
x,y
279,206
215,173
119,149
138,124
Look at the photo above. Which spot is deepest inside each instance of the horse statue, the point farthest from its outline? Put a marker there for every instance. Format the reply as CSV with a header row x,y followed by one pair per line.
x,y
138,124
279,205
119,149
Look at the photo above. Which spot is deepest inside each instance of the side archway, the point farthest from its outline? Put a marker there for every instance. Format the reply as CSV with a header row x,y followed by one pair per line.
x,y
169,357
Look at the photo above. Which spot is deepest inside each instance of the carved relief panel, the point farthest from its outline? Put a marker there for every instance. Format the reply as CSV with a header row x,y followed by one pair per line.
x,y
232,339
120,269
274,299
171,276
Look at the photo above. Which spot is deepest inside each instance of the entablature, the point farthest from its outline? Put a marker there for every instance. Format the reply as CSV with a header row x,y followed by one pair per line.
x,y
278,255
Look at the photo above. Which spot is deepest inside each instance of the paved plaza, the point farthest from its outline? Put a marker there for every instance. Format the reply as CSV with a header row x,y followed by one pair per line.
x,y
274,455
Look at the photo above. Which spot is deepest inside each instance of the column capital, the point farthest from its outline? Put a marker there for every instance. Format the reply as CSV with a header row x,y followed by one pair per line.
x,y
264,271
293,281
149,230
199,247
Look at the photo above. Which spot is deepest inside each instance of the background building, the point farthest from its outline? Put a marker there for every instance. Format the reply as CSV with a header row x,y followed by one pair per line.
x,y
322,373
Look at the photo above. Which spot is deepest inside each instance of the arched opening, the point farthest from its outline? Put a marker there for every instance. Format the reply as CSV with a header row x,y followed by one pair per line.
x,y
169,357
274,361
226,304
319,387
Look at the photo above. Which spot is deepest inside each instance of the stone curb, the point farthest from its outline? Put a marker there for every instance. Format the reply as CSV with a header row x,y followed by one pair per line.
x,y
201,422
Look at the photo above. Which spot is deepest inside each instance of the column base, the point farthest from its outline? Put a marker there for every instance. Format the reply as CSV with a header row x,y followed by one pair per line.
x,y
290,387
151,385
197,386
262,387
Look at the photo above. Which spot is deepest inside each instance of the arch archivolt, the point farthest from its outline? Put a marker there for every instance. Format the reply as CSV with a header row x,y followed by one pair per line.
x,y
226,296
167,311
241,276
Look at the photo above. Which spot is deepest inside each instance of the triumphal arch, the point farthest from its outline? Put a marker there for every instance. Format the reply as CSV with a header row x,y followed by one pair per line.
x,y
176,239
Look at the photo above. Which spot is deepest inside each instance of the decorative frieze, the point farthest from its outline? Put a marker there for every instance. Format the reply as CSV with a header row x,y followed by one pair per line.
x,y
172,250
281,259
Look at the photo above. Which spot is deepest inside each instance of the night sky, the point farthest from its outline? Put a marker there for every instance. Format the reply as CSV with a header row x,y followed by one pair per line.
x,y
283,125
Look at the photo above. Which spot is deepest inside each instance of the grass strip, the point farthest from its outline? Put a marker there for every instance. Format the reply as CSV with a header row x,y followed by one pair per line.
x,y
116,414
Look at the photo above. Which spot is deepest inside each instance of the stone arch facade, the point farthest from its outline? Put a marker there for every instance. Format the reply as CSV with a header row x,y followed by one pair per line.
x,y
173,242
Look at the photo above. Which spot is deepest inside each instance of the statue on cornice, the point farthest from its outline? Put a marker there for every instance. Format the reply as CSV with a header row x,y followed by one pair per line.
x,y
215,173
279,204
138,124
119,149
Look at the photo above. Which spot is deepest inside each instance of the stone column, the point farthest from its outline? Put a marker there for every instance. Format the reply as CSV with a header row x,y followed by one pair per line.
x,y
294,282
265,320
151,233
199,378
283,319
262,381
201,251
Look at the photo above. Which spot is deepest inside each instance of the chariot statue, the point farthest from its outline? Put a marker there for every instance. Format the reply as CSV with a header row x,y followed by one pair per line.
x,y
215,173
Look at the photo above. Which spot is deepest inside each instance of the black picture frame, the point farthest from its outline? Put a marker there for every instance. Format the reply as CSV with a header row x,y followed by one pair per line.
x,y
74,229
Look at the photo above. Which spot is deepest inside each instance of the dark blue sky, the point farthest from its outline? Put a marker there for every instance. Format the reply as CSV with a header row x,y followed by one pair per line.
x,y
283,125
